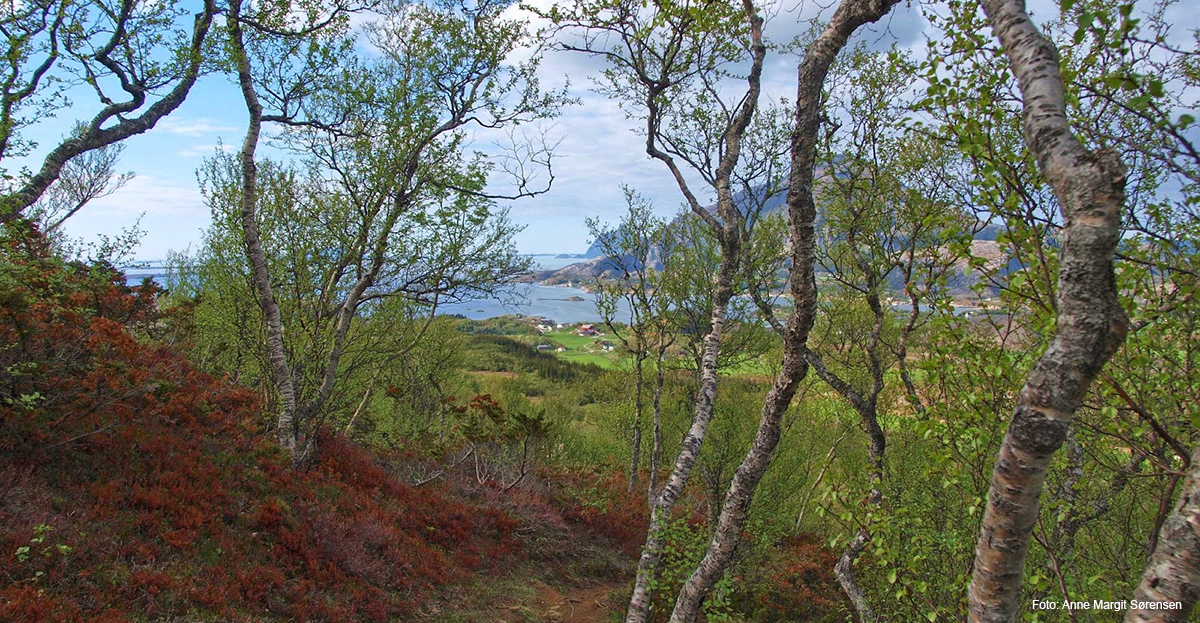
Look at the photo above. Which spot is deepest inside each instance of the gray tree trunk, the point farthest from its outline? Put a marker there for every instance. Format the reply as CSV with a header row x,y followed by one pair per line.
x,y
1173,571
1090,187
844,572
689,449
656,451
727,226
346,312
801,216
866,406
287,430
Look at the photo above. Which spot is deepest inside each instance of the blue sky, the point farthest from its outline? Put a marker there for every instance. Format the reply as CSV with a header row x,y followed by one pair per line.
x,y
597,154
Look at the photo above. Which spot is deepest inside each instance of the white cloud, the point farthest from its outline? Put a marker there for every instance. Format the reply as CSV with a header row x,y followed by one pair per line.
x,y
598,152
171,213
151,195
193,127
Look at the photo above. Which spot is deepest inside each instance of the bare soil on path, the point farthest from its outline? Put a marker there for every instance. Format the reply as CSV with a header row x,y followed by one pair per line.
x,y
589,604
583,605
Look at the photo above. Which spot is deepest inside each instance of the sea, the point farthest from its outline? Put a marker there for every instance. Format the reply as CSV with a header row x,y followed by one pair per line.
x,y
561,304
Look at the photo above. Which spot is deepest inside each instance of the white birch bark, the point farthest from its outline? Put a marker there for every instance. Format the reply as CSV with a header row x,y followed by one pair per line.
x,y
728,231
1173,571
801,215
1090,187
281,374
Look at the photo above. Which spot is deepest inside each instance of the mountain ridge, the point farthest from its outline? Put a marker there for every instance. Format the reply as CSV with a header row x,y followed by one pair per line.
x,y
596,265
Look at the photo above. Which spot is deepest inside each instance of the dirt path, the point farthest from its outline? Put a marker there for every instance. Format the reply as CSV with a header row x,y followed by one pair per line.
x,y
594,604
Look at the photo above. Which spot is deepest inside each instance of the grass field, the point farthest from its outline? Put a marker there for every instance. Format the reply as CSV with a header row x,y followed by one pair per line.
x,y
606,361
584,349
575,342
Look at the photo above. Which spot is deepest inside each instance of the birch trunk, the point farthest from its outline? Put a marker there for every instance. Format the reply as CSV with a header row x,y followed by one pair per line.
x,y
280,371
801,216
1173,571
656,451
1090,187
844,572
866,406
727,227
636,454
689,449
346,312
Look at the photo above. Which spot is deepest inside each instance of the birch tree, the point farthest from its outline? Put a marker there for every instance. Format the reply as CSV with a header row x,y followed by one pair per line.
x,y
1127,448
83,179
666,61
884,231
390,140
1168,268
1090,188
638,250
688,292
139,60
817,59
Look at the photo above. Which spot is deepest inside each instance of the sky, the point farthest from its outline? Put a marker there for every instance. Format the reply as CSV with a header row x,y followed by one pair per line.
x,y
598,151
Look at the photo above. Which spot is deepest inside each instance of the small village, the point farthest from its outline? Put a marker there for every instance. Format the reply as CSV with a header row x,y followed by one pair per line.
x,y
571,341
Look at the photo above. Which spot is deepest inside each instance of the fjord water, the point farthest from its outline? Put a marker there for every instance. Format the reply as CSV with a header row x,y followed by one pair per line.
x,y
559,303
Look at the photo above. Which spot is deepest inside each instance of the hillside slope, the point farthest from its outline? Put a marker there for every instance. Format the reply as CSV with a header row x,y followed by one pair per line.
x,y
135,488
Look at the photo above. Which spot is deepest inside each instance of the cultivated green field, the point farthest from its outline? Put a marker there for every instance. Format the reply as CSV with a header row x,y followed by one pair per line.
x,y
585,349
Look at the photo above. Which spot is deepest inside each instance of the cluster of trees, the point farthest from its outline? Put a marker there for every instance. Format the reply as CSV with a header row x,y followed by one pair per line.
x,y
662,271
319,280
347,248
1084,164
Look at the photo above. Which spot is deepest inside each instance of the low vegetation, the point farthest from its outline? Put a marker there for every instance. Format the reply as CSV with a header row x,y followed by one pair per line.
x,y
135,487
